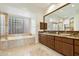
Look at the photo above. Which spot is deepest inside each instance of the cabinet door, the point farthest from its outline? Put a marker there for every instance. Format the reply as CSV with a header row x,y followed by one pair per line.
x,y
40,38
58,46
50,41
67,49
76,51
45,40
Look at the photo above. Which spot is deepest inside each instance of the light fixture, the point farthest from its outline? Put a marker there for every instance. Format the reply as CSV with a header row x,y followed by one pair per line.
x,y
73,5
51,20
61,20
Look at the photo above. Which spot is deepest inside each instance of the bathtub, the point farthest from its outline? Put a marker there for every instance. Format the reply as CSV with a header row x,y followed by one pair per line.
x,y
16,41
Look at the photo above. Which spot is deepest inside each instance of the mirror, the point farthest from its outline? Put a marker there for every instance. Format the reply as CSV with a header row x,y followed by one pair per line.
x,y
64,19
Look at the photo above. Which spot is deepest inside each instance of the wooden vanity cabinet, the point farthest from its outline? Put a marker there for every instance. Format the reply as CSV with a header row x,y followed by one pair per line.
x,y
50,41
67,49
42,39
58,44
62,45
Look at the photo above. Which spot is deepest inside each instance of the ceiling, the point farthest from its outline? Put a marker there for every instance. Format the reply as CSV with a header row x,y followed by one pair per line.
x,y
30,6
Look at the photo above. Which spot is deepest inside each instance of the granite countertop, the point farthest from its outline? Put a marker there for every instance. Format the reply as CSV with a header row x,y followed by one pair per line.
x,y
62,35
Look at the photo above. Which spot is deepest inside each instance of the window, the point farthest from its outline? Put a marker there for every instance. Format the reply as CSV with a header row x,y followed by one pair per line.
x,y
18,25
2,24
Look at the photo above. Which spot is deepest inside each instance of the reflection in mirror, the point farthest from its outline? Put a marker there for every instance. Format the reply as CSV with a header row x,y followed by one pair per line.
x,y
64,19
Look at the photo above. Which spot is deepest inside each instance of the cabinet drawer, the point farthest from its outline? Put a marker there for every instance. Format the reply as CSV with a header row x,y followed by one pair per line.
x,y
67,40
51,44
58,46
50,41
76,42
67,49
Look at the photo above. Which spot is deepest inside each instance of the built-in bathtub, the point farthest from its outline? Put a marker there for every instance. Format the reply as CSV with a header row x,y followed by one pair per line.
x,y
16,41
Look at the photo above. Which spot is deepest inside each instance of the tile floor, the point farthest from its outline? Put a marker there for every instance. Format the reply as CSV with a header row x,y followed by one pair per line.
x,y
31,50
